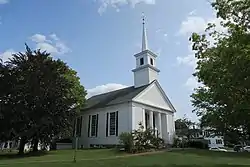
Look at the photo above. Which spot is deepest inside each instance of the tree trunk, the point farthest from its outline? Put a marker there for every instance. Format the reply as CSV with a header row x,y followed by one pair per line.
x,y
53,145
21,146
35,144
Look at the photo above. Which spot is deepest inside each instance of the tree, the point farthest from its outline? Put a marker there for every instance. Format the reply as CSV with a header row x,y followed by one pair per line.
x,y
223,69
7,83
182,127
46,98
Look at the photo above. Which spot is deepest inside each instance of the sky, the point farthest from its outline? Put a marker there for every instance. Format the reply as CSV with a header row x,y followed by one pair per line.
x,y
98,39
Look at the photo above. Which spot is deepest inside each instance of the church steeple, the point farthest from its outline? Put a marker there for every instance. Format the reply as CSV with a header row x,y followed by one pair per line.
x,y
145,71
144,35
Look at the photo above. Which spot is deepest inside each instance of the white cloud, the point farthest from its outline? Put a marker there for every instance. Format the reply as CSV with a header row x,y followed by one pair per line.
x,y
4,2
196,24
53,45
46,47
104,89
118,3
189,60
5,56
192,24
193,12
192,83
38,38
62,48
54,37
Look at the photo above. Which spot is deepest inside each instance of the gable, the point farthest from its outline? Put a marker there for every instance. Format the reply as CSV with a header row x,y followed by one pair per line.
x,y
154,96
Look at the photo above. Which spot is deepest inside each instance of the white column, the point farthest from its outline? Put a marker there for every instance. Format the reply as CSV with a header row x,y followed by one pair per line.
x,y
143,119
167,129
151,118
173,125
164,127
159,124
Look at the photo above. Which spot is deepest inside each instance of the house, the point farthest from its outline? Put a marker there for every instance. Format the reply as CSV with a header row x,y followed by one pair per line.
x,y
214,140
108,115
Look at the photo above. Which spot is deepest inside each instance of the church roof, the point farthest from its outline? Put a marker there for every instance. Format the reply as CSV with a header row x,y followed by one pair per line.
x,y
114,97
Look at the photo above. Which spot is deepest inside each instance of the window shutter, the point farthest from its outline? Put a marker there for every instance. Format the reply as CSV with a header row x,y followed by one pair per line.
x,y
89,125
96,130
107,124
116,123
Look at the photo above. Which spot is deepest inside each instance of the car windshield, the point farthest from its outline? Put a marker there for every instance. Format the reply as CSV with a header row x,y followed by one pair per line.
x,y
237,146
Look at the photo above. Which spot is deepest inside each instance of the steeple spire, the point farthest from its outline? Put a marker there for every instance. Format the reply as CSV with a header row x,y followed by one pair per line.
x,y
145,71
144,34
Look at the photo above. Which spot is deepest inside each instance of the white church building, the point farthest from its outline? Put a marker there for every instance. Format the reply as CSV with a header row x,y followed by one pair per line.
x,y
108,115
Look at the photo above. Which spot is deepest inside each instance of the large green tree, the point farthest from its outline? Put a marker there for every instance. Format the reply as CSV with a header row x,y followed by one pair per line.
x,y
223,68
7,83
46,98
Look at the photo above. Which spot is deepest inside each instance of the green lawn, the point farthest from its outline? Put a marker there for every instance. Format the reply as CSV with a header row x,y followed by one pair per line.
x,y
108,158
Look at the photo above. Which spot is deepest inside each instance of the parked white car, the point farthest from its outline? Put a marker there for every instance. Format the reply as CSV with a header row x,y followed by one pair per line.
x,y
246,149
218,149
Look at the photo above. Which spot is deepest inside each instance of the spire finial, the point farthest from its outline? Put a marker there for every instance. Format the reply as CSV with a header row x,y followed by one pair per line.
x,y
143,18
144,34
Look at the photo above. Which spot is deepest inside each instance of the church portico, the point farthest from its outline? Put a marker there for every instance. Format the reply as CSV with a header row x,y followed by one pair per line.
x,y
157,121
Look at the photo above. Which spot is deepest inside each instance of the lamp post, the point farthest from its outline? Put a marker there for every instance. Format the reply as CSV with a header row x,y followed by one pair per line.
x,y
75,140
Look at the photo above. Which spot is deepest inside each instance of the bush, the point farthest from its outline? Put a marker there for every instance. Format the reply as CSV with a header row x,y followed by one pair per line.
x,y
201,144
141,140
126,139
176,143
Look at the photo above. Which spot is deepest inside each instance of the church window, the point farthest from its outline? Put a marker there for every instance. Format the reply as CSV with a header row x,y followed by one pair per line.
x,y
151,61
112,122
93,125
141,61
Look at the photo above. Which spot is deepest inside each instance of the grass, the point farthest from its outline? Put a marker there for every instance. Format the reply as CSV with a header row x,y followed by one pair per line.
x,y
109,158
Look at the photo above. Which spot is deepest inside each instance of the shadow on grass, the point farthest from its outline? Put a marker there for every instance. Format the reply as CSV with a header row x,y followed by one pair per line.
x,y
208,153
14,155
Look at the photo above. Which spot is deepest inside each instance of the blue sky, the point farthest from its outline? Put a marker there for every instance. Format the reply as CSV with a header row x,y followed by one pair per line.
x,y
98,39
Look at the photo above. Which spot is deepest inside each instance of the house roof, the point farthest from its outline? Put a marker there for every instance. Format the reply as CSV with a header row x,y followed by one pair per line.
x,y
114,97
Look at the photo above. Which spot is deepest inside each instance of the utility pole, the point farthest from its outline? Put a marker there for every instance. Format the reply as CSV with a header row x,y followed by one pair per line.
x,y
75,140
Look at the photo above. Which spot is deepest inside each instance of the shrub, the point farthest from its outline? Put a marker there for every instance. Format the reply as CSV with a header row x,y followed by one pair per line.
x,y
126,139
180,143
176,142
201,144
141,140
